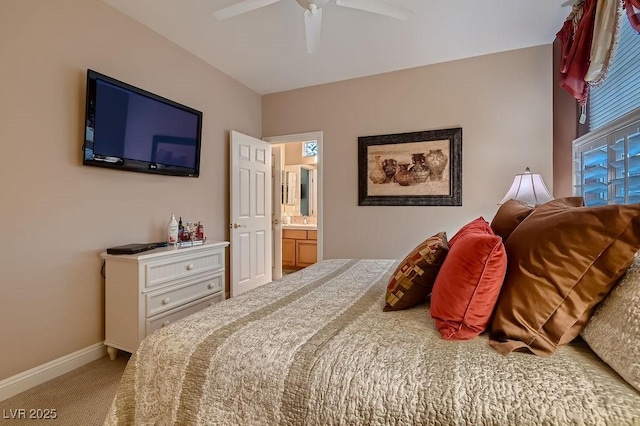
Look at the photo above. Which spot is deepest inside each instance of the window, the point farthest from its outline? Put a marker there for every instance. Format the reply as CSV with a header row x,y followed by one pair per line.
x,y
607,163
310,148
607,159
620,91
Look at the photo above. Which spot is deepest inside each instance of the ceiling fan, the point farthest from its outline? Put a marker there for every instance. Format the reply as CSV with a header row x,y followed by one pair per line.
x,y
313,13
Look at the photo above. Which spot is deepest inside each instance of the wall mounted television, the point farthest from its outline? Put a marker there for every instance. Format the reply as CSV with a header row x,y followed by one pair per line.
x,y
128,128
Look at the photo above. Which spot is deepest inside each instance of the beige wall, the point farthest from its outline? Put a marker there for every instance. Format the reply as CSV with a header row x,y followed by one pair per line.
x,y
502,102
56,215
293,154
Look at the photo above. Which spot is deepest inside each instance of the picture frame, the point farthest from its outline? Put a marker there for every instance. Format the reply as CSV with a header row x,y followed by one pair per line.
x,y
411,169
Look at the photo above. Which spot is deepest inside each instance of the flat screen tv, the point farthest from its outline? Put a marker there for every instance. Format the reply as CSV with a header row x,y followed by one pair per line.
x,y
127,128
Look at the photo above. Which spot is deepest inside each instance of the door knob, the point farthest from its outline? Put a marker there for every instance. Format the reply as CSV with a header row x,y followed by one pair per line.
x,y
237,225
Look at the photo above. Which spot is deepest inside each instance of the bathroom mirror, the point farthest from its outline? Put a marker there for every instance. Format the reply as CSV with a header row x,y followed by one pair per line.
x,y
305,180
291,179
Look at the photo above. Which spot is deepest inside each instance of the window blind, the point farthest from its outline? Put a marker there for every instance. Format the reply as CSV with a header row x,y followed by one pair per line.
x,y
620,91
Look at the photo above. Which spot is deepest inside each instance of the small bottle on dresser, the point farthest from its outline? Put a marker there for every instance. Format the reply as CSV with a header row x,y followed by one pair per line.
x,y
172,231
180,230
200,231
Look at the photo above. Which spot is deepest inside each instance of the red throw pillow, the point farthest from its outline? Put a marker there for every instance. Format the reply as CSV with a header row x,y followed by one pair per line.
x,y
476,225
468,285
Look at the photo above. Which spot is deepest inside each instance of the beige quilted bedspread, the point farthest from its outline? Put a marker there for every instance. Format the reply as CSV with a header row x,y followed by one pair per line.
x,y
316,349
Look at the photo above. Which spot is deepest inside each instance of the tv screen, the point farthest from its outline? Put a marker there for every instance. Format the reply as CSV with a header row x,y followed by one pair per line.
x,y
128,128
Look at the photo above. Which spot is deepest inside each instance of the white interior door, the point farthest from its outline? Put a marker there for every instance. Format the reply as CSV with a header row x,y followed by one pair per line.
x,y
318,176
277,174
250,215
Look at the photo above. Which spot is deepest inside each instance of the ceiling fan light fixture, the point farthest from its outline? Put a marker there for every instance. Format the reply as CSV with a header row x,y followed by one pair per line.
x,y
242,7
309,4
312,23
313,13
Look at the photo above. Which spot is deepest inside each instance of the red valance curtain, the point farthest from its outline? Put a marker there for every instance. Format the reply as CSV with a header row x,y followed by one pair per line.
x,y
633,11
575,37
579,63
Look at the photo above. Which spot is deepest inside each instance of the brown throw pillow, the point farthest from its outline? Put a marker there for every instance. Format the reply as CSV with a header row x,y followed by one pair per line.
x,y
562,261
413,279
513,212
509,216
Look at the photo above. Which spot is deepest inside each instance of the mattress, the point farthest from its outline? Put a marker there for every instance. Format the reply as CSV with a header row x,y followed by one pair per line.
x,y
315,348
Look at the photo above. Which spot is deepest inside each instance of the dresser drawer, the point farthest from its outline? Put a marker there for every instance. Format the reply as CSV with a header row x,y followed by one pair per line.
x,y
170,317
167,299
181,267
295,234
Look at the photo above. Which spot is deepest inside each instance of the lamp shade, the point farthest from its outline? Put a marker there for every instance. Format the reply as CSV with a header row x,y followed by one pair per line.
x,y
529,188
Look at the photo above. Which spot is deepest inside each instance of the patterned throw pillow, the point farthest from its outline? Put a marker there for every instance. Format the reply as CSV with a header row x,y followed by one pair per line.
x,y
613,332
413,279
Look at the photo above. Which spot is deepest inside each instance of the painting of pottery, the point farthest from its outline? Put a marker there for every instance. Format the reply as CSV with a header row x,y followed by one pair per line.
x,y
436,161
404,177
377,175
390,167
420,168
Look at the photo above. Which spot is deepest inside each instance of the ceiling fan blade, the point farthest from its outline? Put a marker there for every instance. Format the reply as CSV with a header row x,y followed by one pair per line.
x,y
312,21
242,7
380,7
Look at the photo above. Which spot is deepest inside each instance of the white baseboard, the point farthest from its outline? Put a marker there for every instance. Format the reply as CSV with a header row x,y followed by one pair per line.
x,y
45,372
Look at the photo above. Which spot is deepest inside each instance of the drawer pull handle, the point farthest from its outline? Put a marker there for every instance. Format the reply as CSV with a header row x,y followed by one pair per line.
x,y
166,300
190,266
211,286
166,323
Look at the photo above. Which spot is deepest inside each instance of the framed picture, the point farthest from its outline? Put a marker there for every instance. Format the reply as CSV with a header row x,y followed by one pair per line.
x,y
411,169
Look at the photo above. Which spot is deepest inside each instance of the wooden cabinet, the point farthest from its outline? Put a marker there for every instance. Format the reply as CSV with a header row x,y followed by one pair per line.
x,y
288,252
299,247
306,252
150,290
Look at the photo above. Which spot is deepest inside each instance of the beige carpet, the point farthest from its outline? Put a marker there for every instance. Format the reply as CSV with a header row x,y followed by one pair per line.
x,y
80,397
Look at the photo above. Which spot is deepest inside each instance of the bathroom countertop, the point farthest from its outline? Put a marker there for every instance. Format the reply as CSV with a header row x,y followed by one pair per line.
x,y
305,226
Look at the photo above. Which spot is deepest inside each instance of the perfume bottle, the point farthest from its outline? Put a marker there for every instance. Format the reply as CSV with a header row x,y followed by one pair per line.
x,y
172,231
200,231
180,230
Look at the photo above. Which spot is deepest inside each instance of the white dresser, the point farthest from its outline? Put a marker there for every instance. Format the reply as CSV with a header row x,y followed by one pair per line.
x,y
152,289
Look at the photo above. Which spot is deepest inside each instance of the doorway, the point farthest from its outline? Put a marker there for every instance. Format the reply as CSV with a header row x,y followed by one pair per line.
x,y
297,201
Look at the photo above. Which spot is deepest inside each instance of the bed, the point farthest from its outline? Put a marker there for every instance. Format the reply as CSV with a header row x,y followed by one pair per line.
x,y
316,348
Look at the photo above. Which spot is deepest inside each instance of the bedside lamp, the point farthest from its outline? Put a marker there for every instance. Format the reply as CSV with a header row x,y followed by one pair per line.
x,y
529,188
